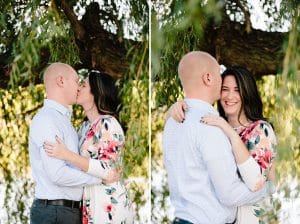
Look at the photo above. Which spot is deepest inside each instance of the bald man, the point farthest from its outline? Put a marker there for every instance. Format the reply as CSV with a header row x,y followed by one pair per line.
x,y
202,173
59,185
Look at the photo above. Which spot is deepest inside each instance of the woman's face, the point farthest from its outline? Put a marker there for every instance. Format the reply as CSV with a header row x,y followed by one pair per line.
x,y
230,96
84,95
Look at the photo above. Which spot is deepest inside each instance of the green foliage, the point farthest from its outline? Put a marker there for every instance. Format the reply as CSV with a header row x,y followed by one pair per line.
x,y
134,116
16,111
173,35
45,31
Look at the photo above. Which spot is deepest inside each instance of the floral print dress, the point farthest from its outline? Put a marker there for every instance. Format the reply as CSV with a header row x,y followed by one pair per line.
x,y
260,140
103,142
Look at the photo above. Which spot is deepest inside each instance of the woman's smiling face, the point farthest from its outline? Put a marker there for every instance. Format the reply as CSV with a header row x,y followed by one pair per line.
x,y
230,96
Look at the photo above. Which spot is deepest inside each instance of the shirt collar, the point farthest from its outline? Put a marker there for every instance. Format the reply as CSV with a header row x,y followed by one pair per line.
x,y
201,105
59,107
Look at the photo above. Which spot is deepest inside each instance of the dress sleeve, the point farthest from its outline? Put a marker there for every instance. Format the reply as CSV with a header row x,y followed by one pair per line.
x,y
251,174
261,142
263,145
109,144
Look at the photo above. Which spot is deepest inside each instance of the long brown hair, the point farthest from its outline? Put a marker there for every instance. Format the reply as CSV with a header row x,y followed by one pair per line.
x,y
105,93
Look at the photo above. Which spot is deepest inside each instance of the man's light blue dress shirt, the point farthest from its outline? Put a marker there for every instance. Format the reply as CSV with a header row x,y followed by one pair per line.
x,y
202,173
54,178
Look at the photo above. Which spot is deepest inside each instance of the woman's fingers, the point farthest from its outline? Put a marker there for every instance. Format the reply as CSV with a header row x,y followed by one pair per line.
x,y
48,145
185,106
179,112
210,119
49,152
59,141
49,148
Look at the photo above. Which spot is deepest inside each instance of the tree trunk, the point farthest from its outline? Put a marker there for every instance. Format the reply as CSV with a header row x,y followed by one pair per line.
x,y
98,48
259,51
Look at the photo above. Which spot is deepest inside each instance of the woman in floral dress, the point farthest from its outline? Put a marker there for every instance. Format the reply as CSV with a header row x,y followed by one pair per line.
x,y
252,137
101,143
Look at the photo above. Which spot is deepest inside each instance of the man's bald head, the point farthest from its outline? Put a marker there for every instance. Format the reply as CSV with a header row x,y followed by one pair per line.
x,y
61,83
195,63
199,71
54,70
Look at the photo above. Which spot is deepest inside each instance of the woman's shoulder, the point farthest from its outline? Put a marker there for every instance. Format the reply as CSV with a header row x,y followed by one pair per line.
x,y
266,128
109,122
263,124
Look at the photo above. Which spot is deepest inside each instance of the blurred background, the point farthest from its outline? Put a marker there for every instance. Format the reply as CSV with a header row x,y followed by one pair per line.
x,y
263,36
111,36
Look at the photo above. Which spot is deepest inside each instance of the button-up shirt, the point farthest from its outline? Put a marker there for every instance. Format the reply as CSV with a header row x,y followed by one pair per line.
x,y
55,178
202,173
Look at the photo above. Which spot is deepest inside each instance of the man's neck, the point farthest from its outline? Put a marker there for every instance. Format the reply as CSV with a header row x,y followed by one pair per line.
x,y
58,100
199,97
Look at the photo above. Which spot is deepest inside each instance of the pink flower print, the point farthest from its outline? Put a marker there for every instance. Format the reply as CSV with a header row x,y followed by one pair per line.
x,y
90,134
85,218
263,158
108,208
109,152
112,147
91,131
104,156
246,134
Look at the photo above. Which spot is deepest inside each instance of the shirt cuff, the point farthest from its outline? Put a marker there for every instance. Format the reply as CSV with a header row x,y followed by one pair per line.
x,y
96,168
251,174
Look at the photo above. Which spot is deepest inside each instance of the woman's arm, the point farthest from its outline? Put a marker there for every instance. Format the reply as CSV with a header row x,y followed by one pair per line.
x,y
241,153
248,167
60,151
176,111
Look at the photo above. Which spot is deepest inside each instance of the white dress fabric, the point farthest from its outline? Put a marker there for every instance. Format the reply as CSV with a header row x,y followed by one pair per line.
x,y
103,142
260,140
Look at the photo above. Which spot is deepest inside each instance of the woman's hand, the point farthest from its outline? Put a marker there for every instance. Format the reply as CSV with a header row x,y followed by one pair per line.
x,y
220,122
57,150
217,121
176,111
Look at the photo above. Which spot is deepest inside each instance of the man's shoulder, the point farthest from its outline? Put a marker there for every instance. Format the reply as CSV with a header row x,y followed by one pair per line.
x,y
44,116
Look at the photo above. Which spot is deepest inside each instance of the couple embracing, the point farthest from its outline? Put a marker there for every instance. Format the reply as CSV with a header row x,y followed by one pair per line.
x,y
77,176
220,166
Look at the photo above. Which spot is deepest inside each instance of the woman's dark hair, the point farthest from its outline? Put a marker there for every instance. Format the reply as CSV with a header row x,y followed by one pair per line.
x,y
251,101
105,93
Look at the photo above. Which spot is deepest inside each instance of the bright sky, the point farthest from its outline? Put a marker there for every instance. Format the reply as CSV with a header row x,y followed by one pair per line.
x,y
258,17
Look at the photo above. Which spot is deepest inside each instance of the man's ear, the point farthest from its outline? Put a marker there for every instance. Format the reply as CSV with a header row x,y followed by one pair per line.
x,y
60,80
206,78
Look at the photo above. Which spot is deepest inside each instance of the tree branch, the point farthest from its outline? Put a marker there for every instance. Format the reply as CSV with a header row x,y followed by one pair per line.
x,y
75,23
247,15
259,51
